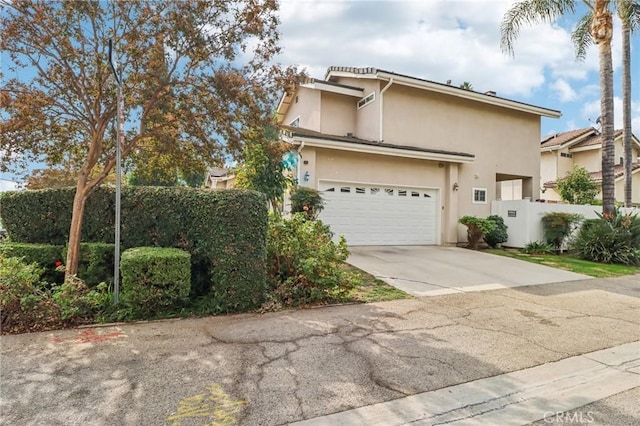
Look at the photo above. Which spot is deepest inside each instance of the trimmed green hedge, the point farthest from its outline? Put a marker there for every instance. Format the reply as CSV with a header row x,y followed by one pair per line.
x,y
224,231
45,255
155,279
96,263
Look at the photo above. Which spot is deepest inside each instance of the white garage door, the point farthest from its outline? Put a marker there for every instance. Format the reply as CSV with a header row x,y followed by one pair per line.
x,y
379,214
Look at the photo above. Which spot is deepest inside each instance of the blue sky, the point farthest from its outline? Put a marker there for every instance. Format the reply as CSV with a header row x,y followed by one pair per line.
x,y
444,40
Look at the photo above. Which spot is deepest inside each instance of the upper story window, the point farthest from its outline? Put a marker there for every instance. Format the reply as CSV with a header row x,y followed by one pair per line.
x,y
566,155
296,122
367,100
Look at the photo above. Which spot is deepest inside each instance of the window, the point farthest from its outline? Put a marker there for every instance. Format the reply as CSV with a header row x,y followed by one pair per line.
x,y
479,196
415,194
389,191
296,122
374,191
360,190
402,193
330,190
367,100
566,155
345,189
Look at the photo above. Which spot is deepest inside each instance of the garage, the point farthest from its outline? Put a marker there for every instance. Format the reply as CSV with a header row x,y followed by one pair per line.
x,y
380,214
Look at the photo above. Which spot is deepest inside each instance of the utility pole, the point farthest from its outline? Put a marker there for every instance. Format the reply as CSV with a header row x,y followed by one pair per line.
x,y
119,145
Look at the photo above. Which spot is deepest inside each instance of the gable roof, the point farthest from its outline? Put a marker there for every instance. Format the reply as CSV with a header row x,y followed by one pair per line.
x,y
336,141
560,139
580,138
335,72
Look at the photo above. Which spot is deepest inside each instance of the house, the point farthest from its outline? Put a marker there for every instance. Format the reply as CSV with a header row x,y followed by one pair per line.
x,y
400,159
583,147
220,178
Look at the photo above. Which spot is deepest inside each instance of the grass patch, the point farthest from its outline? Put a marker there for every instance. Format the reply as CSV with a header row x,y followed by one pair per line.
x,y
372,289
570,263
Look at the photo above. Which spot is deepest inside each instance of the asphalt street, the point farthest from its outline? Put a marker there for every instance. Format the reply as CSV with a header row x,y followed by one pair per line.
x,y
291,366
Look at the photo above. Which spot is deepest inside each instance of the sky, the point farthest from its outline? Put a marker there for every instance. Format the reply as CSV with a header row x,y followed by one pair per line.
x,y
442,40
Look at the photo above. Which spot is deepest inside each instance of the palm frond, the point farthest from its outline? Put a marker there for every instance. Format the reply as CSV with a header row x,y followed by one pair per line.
x,y
530,12
582,37
630,11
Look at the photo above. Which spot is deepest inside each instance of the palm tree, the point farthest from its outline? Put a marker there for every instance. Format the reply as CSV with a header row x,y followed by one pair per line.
x,y
537,11
629,14
466,86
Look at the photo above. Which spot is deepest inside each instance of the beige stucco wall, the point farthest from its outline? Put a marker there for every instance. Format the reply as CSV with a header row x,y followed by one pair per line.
x,y
307,107
548,167
367,125
338,114
635,188
590,160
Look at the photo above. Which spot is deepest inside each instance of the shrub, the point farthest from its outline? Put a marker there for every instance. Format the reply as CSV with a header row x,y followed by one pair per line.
x,y
307,201
154,279
224,231
305,265
537,247
96,263
77,303
477,228
558,226
578,187
610,239
47,256
498,234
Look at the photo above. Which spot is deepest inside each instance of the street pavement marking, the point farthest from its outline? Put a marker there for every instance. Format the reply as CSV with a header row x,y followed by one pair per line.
x,y
90,336
216,407
520,397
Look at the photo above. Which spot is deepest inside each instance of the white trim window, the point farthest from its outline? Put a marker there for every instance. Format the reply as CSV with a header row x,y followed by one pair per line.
x,y
479,196
296,122
367,100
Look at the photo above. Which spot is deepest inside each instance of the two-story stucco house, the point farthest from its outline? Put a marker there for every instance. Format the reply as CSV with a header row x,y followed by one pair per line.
x,y
583,147
400,159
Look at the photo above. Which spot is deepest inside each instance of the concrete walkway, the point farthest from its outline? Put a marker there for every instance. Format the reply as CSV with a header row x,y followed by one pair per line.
x,y
434,271
284,367
513,398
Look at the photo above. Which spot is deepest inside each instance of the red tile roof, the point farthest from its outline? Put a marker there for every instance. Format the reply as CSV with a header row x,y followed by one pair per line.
x,y
618,171
595,140
561,138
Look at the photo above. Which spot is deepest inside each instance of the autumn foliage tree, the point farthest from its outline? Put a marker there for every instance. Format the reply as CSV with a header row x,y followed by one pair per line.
x,y
195,75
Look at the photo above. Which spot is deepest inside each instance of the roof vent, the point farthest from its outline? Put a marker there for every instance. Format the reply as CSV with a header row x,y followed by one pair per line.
x,y
490,93
448,82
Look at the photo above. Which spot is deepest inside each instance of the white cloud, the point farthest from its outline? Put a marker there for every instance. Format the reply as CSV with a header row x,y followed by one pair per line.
x,y
591,111
563,90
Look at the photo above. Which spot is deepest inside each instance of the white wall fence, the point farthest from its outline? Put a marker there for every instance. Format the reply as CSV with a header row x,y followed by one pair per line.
x,y
524,218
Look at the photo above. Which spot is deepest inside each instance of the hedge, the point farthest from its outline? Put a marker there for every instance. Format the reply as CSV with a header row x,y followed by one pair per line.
x,y
96,262
224,231
45,255
155,279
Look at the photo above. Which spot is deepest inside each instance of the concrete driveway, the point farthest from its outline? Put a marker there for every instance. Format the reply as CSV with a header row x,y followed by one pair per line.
x,y
433,270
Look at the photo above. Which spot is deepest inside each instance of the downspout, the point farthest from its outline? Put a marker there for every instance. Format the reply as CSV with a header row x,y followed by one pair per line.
x,y
299,166
384,89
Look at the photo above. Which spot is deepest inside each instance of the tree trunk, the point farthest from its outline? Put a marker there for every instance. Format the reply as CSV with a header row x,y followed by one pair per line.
x,y
626,110
602,30
73,249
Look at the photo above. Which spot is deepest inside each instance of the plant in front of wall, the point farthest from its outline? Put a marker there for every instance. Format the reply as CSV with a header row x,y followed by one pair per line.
x,y
558,226
477,228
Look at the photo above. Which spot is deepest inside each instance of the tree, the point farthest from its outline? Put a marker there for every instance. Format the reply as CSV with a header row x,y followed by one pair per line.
x,y
536,11
466,86
629,14
262,168
194,69
577,187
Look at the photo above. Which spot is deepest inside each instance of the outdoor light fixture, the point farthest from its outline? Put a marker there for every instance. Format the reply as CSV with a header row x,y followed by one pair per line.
x,y
307,176
455,186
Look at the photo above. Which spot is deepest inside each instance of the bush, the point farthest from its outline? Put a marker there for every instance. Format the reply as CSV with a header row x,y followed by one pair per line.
x,y
557,228
610,239
224,231
498,234
47,256
307,201
537,247
155,280
96,263
305,265
477,228
77,303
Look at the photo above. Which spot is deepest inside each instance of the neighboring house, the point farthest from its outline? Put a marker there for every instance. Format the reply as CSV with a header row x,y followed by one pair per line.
x,y
583,147
220,178
400,159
